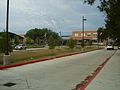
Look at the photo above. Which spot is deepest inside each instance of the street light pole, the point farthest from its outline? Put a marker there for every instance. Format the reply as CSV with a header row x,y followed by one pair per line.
x,y
7,25
6,57
60,38
83,19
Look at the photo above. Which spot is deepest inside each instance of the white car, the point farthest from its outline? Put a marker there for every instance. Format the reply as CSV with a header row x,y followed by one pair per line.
x,y
110,47
20,47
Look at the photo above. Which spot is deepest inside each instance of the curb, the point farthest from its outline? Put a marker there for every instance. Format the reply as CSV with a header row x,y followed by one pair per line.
x,y
89,78
35,61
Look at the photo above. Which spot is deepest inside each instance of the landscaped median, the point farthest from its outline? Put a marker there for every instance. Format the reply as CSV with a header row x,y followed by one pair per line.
x,y
26,57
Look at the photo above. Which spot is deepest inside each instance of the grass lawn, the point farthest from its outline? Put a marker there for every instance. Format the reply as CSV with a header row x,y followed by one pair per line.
x,y
20,56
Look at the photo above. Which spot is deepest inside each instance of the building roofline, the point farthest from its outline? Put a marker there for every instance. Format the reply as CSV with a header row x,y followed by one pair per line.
x,y
14,34
85,31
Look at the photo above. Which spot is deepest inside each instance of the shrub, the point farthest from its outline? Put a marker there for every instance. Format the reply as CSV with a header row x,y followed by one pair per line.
x,y
51,42
90,42
71,43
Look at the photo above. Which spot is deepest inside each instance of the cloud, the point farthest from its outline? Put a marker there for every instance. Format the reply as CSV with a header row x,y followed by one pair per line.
x,y
60,15
53,22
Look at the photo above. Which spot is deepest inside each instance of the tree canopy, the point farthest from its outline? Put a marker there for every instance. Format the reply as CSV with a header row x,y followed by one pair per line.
x,y
3,43
112,21
102,34
41,35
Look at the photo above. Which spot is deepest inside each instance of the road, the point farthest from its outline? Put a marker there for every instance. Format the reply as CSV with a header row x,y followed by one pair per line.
x,y
58,74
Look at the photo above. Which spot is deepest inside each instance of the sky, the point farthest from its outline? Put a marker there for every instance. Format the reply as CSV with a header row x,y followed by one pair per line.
x,y
63,16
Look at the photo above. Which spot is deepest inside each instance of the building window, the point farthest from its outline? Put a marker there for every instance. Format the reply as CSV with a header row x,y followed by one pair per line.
x,y
82,34
94,34
88,34
76,35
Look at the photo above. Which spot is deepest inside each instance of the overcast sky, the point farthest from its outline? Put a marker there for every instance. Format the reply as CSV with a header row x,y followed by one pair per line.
x,y
58,15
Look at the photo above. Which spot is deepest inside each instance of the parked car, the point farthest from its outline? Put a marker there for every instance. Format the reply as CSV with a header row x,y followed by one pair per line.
x,y
118,47
20,47
110,47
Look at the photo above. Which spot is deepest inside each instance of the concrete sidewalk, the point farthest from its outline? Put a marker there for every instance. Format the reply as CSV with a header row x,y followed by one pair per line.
x,y
109,76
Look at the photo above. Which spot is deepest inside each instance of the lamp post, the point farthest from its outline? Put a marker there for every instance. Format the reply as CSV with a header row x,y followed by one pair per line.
x,y
60,39
83,19
6,58
7,24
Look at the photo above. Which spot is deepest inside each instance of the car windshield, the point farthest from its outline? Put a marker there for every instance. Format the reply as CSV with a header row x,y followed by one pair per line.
x,y
20,45
110,45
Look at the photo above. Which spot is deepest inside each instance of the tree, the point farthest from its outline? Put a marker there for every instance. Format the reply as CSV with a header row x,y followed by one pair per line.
x,y
90,42
89,1
16,38
28,40
102,34
71,43
35,33
58,41
41,34
82,43
38,41
112,10
3,43
51,42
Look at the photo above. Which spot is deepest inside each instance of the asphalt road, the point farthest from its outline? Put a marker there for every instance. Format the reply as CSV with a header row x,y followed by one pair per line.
x,y
59,74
